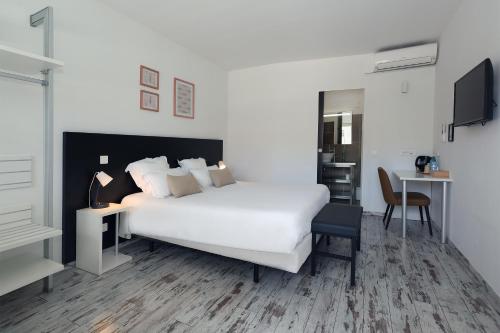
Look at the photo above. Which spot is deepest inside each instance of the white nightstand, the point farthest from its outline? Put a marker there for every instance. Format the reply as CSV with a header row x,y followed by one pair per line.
x,y
89,228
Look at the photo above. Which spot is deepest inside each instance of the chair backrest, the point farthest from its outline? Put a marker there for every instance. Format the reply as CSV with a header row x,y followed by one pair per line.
x,y
385,183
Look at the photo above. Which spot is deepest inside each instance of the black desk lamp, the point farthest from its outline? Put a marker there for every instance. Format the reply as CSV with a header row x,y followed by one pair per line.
x,y
103,180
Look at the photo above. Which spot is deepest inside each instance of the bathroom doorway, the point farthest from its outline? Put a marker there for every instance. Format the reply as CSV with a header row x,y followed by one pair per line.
x,y
340,125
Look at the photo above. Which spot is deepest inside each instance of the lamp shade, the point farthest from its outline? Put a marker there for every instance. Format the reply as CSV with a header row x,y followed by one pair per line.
x,y
103,178
222,165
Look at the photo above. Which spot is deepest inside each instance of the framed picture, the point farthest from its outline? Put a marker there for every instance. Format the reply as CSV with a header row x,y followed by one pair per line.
x,y
183,99
150,101
149,77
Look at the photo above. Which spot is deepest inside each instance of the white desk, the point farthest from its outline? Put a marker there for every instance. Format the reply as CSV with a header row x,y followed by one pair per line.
x,y
413,176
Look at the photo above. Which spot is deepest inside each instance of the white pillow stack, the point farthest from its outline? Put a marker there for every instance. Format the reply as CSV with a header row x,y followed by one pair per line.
x,y
157,181
193,163
202,175
150,174
198,168
142,167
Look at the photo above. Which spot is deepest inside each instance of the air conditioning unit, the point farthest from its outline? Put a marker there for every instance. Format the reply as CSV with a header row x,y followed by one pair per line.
x,y
415,56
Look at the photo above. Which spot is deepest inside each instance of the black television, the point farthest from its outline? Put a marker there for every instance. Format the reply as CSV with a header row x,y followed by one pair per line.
x,y
474,96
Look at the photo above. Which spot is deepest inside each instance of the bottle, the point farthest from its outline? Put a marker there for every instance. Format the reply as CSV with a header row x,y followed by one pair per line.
x,y
433,164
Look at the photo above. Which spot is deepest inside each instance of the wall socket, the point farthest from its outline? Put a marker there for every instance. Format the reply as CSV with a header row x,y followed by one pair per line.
x,y
103,159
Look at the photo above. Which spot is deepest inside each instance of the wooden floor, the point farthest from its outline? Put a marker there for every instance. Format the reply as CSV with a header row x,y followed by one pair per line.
x,y
412,285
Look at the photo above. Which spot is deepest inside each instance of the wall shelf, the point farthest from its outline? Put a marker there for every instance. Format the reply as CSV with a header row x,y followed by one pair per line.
x,y
21,270
19,61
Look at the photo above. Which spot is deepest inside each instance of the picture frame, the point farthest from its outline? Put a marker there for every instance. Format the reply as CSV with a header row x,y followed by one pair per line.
x,y
184,98
149,101
149,77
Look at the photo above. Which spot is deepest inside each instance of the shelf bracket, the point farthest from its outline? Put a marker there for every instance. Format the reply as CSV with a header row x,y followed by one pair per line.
x,y
45,17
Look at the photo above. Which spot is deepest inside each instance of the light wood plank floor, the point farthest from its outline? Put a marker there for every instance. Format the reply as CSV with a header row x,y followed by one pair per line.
x,y
412,285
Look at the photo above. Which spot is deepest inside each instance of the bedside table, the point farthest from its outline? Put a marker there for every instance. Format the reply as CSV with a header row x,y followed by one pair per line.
x,y
89,228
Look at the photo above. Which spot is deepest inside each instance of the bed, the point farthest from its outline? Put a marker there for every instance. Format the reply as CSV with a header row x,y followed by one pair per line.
x,y
260,223
263,224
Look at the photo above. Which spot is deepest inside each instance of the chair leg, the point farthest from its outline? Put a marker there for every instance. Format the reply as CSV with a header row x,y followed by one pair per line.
x,y
386,211
428,219
421,215
389,217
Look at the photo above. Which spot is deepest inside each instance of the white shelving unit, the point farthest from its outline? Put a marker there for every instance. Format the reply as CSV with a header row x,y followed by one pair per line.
x,y
19,61
16,230
21,270
16,226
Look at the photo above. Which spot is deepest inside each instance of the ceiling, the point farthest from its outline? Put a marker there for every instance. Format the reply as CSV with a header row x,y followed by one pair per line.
x,y
244,33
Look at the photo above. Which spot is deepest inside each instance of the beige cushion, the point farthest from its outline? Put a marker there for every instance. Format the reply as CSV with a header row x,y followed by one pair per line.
x,y
183,185
222,177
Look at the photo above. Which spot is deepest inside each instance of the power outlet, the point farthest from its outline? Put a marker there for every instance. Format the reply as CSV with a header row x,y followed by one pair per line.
x,y
103,159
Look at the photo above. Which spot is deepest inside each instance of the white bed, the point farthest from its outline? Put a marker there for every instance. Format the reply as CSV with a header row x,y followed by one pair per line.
x,y
263,224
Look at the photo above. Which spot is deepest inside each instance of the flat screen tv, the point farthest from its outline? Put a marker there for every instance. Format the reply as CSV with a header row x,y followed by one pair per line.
x,y
474,96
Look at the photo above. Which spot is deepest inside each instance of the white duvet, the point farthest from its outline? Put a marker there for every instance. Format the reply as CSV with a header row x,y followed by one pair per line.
x,y
250,216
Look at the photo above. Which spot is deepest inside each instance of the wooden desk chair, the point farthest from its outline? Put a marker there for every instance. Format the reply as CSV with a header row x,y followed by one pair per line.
x,y
396,199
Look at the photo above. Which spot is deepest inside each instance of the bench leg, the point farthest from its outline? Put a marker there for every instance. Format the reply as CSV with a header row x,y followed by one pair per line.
x,y
255,273
353,261
151,246
359,239
328,240
313,254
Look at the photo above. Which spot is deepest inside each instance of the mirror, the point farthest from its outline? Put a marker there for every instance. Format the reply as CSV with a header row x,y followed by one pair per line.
x,y
337,128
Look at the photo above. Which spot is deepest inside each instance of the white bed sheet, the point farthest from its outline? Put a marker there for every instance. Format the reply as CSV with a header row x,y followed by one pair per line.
x,y
250,216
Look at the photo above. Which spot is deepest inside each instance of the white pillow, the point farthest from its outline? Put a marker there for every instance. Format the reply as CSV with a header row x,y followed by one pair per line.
x,y
193,163
157,184
177,172
139,168
157,181
202,176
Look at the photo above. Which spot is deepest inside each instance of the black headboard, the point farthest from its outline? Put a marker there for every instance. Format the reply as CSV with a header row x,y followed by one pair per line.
x,y
81,152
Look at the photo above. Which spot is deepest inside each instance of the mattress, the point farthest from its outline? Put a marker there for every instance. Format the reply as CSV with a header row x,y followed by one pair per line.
x,y
249,216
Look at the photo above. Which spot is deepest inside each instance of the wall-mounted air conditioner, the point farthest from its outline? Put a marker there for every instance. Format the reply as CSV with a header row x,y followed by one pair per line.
x,y
415,56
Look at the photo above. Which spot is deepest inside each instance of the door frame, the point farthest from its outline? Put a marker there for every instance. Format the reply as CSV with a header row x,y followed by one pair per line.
x,y
321,111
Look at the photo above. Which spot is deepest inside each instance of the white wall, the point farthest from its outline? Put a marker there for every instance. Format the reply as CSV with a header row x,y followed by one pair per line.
x,y
470,37
98,89
350,100
273,115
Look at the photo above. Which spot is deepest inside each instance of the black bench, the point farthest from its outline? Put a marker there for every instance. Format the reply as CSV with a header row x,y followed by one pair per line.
x,y
340,221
